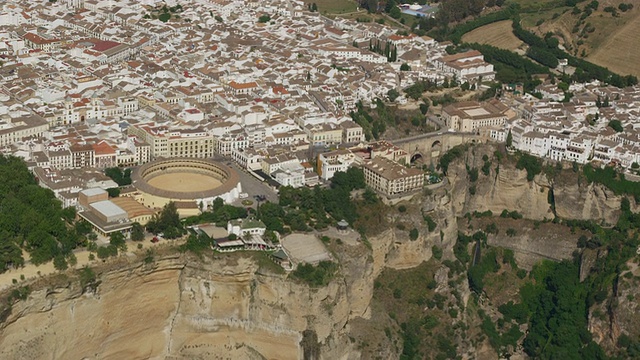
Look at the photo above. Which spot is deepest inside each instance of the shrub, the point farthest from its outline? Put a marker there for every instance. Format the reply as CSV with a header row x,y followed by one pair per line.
x,y
453,313
521,273
531,164
473,174
413,234
437,252
402,208
492,229
397,293
316,276
431,225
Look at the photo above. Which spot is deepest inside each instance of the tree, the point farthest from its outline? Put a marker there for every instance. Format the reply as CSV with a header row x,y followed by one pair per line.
x,y
117,239
509,139
616,125
137,232
389,6
395,12
122,178
352,179
413,234
87,276
531,164
113,192
83,227
10,254
393,94
164,17
369,196
217,204
314,7
60,263
405,67
168,222
264,19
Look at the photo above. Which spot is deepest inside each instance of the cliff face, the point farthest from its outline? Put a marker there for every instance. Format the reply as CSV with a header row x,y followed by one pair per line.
x,y
180,309
228,307
506,187
579,200
224,307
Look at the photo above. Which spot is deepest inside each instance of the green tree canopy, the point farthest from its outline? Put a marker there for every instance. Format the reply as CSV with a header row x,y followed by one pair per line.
x,y
32,218
137,232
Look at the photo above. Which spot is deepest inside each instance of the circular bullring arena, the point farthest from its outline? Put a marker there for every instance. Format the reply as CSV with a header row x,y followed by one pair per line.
x,y
186,181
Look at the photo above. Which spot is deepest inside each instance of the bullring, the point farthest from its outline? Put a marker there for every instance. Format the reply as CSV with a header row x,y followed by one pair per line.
x,y
185,181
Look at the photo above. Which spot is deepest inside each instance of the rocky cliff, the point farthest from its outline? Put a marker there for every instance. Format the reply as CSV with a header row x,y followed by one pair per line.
x,y
506,187
178,308
219,307
233,306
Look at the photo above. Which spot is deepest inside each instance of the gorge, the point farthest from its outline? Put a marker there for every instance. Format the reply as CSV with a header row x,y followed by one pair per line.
x,y
242,306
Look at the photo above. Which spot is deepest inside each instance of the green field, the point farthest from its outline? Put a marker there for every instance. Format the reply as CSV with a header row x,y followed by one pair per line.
x,y
332,7
537,5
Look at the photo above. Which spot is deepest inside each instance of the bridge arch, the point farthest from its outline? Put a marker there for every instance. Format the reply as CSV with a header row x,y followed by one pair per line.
x,y
436,149
416,157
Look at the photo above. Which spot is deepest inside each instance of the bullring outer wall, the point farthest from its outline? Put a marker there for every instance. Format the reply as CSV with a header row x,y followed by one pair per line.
x,y
229,190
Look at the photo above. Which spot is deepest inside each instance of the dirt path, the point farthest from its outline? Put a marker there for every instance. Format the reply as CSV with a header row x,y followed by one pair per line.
x,y
31,271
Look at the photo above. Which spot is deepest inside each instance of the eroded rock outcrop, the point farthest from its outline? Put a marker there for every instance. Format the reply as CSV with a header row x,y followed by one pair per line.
x,y
228,307
180,309
506,187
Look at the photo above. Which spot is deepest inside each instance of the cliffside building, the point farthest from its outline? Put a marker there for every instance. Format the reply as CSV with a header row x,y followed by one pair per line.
x,y
391,179
470,116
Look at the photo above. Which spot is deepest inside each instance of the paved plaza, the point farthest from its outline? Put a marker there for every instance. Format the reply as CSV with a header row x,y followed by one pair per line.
x,y
305,248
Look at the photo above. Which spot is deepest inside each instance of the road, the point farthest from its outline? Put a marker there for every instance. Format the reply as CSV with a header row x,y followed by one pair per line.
x,y
251,185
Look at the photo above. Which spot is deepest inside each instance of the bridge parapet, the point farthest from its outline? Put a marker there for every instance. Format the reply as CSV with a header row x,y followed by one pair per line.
x,y
429,147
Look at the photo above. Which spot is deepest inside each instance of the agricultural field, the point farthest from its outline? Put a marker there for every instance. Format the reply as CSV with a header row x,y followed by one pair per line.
x,y
535,5
620,51
498,34
601,38
334,7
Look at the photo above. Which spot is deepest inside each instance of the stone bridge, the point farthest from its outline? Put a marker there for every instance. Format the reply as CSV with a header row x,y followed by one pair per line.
x,y
428,147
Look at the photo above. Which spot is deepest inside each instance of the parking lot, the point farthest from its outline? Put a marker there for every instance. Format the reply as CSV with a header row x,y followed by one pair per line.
x,y
252,186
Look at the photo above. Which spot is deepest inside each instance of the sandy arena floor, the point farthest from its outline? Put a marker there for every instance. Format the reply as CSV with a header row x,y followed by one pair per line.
x,y
182,182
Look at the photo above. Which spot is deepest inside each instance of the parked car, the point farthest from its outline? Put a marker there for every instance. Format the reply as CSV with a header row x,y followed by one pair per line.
x,y
155,239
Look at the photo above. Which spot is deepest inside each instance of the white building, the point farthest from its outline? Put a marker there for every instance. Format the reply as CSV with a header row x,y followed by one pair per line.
x,y
243,227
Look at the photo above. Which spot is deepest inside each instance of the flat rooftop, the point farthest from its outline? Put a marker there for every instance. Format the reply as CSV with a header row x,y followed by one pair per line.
x,y
93,192
108,208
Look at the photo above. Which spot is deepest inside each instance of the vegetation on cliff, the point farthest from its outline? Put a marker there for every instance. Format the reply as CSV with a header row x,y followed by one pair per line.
x,y
318,275
613,180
